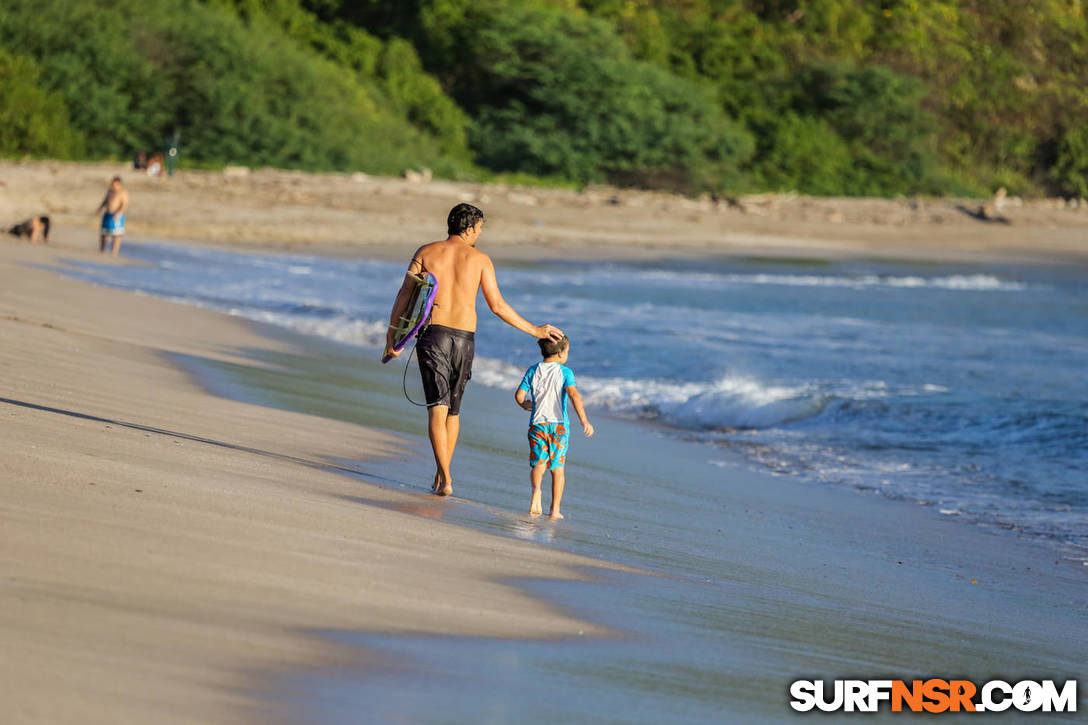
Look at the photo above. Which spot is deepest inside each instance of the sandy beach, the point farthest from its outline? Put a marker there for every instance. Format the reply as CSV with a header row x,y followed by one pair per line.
x,y
169,555
160,545
359,214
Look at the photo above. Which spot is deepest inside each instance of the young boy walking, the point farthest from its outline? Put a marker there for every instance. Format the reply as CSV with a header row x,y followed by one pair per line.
x,y
544,392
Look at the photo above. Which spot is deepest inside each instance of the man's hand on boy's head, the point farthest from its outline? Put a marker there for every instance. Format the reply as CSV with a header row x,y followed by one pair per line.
x,y
550,331
588,430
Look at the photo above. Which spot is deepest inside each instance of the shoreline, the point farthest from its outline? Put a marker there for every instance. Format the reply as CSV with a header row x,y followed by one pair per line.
x,y
51,323
253,391
162,545
341,215
1061,538
809,562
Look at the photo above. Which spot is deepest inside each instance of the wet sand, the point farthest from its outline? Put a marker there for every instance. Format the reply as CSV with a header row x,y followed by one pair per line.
x,y
160,547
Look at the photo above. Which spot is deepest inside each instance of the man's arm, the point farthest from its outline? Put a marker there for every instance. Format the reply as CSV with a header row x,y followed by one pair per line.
x,y
124,202
576,401
505,312
400,303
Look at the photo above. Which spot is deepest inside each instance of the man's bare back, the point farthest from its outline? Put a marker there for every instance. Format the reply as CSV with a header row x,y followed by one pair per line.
x,y
459,269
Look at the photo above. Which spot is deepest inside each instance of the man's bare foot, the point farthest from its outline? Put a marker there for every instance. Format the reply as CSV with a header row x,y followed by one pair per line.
x,y
555,515
438,489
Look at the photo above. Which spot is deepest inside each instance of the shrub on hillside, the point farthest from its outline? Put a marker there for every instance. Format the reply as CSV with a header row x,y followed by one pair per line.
x,y
135,71
557,94
1071,167
32,121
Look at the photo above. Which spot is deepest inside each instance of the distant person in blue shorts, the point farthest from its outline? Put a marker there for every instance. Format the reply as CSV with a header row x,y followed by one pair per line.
x,y
544,392
113,219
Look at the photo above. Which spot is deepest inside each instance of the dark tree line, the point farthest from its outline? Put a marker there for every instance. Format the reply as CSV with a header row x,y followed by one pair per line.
x,y
822,96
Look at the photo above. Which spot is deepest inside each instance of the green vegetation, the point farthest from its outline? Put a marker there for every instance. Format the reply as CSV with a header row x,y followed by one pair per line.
x,y
1071,166
237,90
833,97
558,94
32,121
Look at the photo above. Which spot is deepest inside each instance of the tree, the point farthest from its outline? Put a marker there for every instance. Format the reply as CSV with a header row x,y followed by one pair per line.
x,y
557,93
878,114
1071,167
32,121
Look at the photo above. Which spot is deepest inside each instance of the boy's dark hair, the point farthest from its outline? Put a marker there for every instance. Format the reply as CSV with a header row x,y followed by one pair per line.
x,y
462,217
550,347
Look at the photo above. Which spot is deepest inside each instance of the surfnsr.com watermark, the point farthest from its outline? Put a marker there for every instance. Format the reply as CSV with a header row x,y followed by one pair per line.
x,y
933,695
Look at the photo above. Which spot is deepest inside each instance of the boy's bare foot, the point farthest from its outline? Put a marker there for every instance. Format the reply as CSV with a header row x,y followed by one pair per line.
x,y
535,509
555,515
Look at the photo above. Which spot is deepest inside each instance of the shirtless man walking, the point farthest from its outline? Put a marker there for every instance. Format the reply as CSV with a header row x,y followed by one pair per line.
x,y
445,349
113,220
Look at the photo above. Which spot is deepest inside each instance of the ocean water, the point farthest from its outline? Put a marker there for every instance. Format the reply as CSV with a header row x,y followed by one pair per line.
x,y
958,386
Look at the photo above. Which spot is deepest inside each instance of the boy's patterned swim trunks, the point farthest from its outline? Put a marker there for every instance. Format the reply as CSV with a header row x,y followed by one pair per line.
x,y
548,442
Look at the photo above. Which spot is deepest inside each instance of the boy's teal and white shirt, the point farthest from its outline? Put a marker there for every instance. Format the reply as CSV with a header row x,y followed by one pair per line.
x,y
547,383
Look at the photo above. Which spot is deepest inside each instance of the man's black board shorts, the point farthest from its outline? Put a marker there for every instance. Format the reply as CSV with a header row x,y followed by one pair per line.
x,y
445,364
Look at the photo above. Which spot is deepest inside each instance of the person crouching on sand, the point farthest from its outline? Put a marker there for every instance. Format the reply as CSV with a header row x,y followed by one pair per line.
x,y
544,392
36,229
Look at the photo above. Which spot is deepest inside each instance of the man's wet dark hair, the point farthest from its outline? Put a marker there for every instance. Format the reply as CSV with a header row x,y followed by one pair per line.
x,y
550,347
462,217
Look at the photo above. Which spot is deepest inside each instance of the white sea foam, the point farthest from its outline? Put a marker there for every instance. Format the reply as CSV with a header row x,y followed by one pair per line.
x,y
744,404
967,282
730,402
366,333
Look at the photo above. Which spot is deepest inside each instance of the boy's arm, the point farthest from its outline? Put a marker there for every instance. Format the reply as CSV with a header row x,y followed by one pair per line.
x,y
490,286
576,401
522,399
